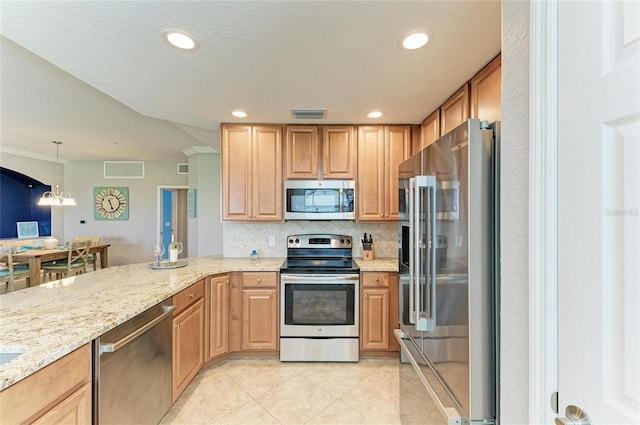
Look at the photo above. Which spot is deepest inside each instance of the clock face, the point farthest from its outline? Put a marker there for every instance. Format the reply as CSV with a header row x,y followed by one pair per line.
x,y
111,203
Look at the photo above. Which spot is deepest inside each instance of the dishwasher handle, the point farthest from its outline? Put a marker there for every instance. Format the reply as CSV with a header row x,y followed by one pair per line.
x,y
115,346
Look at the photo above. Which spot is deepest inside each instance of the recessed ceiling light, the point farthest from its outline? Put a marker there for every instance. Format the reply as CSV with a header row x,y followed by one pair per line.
x,y
239,114
180,39
374,114
415,40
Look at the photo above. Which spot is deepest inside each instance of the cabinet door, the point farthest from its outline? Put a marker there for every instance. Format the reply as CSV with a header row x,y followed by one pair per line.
x,y
429,131
397,141
39,394
301,160
188,346
267,173
371,193
375,319
73,410
486,92
455,110
339,152
259,319
219,316
236,172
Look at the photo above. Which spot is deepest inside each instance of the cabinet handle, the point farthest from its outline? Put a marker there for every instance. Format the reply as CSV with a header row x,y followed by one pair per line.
x,y
192,294
377,280
259,280
273,295
366,295
178,326
226,281
381,215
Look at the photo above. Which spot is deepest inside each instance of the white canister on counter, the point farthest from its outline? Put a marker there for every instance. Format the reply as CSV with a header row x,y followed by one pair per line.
x,y
50,243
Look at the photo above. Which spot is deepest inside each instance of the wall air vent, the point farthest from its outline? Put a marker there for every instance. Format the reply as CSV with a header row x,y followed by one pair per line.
x,y
308,114
123,169
183,168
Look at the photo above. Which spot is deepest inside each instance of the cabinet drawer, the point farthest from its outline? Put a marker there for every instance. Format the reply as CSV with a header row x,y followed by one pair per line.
x,y
185,298
260,279
375,280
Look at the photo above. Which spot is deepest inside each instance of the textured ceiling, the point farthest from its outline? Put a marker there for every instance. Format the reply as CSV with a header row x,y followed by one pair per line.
x,y
98,76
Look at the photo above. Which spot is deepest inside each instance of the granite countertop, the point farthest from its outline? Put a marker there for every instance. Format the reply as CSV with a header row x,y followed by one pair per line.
x,y
383,264
53,319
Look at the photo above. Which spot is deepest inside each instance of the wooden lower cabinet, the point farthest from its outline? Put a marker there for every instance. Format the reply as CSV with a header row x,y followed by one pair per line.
x,y
75,409
259,319
218,316
259,305
58,393
378,311
188,338
375,319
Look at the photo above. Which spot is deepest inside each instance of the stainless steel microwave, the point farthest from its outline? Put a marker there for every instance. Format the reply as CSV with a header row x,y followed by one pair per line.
x,y
319,200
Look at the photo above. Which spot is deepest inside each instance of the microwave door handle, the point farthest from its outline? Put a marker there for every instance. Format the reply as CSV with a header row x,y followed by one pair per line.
x,y
412,258
341,200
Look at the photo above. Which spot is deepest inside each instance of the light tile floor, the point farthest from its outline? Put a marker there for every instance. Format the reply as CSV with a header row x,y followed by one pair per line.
x,y
266,391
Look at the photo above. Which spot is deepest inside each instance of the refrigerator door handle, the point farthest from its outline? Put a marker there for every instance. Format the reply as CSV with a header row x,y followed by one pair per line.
x,y
425,316
412,258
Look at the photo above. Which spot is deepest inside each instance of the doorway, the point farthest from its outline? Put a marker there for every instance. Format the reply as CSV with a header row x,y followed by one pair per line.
x,y
172,216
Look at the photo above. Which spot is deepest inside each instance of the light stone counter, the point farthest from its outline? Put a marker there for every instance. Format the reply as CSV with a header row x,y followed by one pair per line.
x,y
53,319
385,264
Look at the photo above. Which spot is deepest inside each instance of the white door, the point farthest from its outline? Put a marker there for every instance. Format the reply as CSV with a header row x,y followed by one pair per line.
x,y
599,209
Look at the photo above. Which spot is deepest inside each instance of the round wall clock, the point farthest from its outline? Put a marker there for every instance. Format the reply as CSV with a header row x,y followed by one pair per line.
x,y
111,203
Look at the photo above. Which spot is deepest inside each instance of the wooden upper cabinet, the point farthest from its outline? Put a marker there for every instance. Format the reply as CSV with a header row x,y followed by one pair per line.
x,y
332,156
455,110
252,173
397,146
380,150
301,160
429,131
370,195
339,152
486,91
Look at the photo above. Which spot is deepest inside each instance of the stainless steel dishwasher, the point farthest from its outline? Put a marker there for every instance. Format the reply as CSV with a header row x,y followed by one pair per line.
x,y
132,370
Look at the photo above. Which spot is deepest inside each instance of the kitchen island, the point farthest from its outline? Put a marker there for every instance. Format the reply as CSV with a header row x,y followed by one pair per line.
x,y
50,321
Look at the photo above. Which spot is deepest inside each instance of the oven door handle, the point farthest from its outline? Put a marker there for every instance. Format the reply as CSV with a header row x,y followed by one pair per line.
x,y
318,278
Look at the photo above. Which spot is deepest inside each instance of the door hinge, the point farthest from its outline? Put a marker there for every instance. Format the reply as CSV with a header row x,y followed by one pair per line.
x,y
554,402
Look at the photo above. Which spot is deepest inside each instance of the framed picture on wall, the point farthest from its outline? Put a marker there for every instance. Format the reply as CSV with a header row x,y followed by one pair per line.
x,y
27,229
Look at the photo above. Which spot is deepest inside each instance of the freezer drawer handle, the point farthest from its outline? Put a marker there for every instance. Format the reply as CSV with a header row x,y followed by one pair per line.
x,y
450,413
115,346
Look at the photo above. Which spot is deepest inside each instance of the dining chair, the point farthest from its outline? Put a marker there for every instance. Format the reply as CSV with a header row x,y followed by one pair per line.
x,y
95,240
76,262
10,272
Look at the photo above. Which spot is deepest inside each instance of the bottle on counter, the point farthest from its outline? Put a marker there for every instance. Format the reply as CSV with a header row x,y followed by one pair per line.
x,y
173,251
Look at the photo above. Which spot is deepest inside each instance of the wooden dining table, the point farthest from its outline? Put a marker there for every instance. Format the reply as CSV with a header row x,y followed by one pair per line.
x,y
35,258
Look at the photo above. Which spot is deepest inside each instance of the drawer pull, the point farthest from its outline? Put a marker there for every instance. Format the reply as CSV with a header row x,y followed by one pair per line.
x,y
259,280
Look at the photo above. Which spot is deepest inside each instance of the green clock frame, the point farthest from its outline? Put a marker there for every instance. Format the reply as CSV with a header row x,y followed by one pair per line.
x,y
111,203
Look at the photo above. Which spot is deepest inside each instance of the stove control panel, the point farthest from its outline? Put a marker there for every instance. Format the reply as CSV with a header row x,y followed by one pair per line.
x,y
319,241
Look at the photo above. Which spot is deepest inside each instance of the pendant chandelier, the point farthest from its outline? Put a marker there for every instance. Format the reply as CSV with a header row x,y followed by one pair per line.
x,y
57,198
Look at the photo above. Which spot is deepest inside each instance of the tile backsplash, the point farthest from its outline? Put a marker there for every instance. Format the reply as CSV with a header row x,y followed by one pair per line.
x,y
241,238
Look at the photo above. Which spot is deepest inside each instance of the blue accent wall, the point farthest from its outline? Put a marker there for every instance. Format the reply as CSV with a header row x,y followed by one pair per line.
x,y
19,195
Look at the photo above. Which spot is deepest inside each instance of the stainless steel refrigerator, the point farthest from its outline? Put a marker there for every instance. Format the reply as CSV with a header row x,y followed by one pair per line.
x,y
449,282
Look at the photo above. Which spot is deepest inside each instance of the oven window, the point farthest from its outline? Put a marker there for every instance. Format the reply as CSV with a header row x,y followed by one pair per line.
x,y
314,304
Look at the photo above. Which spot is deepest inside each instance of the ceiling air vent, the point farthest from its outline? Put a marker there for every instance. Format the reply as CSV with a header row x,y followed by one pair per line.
x,y
123,169
308,114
